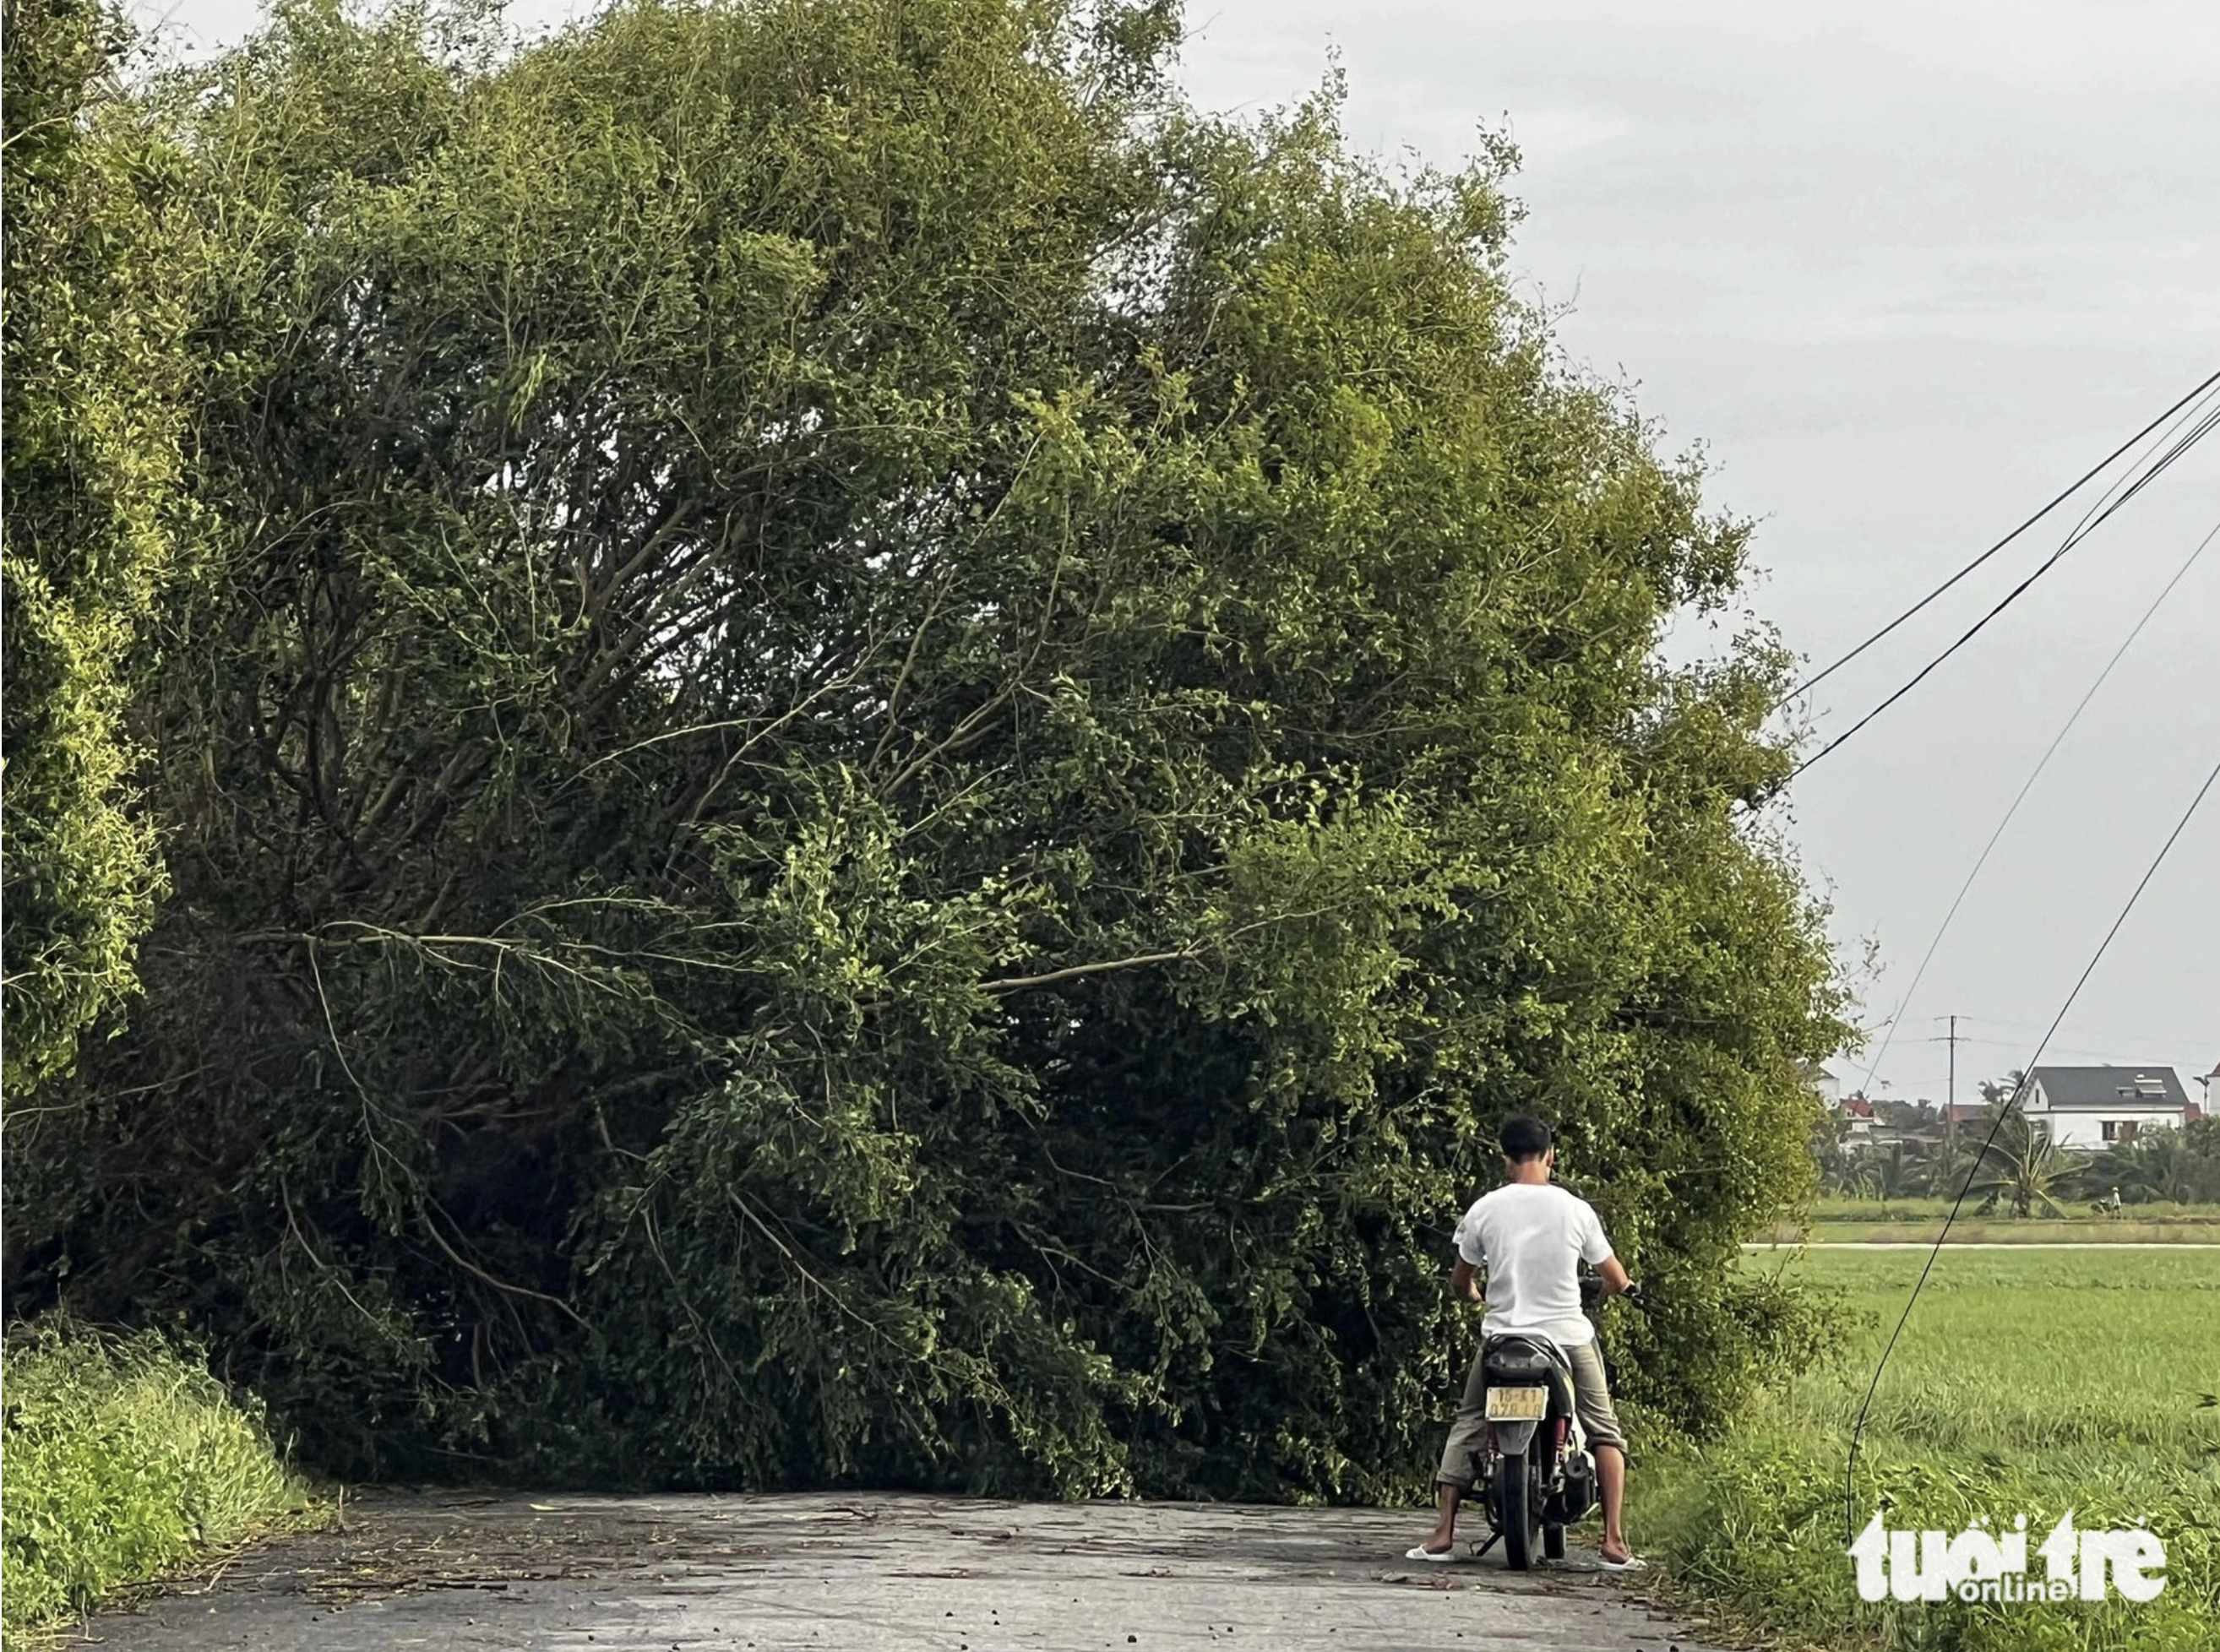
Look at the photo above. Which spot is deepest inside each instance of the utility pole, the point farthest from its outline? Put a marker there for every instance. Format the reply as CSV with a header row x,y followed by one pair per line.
x,y
1950,1094
1950,1107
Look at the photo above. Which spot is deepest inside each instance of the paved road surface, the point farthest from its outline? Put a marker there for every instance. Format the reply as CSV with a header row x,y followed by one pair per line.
x,y
867,1573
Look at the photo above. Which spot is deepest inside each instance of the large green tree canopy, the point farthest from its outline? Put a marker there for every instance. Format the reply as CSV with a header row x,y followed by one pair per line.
x,y
891,755
93,364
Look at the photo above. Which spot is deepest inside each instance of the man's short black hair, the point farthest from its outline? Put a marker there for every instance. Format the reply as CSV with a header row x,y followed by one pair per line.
x,y
1524,1138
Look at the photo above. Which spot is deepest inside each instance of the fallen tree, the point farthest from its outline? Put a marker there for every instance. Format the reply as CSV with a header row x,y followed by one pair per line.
x,y
891,755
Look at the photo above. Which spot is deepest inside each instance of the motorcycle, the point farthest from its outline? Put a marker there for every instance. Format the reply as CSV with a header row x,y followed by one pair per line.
x,y
1539,1474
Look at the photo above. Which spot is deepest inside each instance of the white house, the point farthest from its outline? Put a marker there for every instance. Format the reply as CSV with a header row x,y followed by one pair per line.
x,y
2095,1107
1856,1114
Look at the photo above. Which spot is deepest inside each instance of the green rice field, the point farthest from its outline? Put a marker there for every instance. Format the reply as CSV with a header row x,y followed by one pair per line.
x,y
2026,1381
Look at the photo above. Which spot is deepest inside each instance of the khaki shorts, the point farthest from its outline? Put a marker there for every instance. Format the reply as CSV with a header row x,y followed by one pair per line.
x,y
1591,1400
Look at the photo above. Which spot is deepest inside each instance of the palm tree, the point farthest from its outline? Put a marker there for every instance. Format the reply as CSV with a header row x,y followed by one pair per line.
x,y
1893,1173
2157,1165
1869,1172
1854,1174
1828,1137
1947,1164
2022,1164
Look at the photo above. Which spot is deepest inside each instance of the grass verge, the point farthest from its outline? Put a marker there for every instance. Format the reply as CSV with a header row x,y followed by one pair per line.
x,y
121,1460
2028,1383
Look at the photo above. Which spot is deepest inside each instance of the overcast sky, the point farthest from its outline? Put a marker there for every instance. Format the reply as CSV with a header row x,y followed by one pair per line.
x,y
1905,270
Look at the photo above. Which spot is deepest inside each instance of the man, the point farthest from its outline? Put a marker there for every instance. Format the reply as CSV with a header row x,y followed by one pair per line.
x,y
1531,1237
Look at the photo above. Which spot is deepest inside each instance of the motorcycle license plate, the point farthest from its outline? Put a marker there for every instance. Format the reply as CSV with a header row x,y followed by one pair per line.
x,y
1517,1405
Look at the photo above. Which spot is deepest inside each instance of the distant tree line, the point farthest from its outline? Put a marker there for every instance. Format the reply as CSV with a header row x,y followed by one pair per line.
x,y
2000,1160
802,741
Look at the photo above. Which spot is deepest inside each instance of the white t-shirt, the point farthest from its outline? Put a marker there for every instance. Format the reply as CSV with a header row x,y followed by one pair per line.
x,y
1532,1238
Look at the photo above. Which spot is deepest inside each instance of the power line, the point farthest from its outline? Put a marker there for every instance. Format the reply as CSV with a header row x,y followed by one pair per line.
x,y
2080,482
2202,429
1857,1430
2106,1033
2027,786
2109,1057
2015,1043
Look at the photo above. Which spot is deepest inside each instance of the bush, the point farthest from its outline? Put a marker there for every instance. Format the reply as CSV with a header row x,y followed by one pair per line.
x,y
124,1458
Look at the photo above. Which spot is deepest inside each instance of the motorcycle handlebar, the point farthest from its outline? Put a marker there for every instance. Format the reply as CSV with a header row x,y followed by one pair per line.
x,y
1592,1295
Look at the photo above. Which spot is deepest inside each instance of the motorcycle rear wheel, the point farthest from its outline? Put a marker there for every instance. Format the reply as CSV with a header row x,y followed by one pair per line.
x,y
1514,1492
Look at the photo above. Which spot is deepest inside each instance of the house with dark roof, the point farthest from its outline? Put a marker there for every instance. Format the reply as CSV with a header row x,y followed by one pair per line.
x,y
2095,1107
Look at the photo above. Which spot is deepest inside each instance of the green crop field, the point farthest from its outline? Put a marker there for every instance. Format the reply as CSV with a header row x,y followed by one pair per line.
x,y
2025,1382
2052,1350
1917,1221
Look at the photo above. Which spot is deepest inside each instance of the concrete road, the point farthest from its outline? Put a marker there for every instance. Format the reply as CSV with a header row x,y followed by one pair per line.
x,y
859,1573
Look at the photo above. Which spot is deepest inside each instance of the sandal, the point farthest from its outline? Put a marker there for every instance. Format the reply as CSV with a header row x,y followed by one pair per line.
x,y
1422,1553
